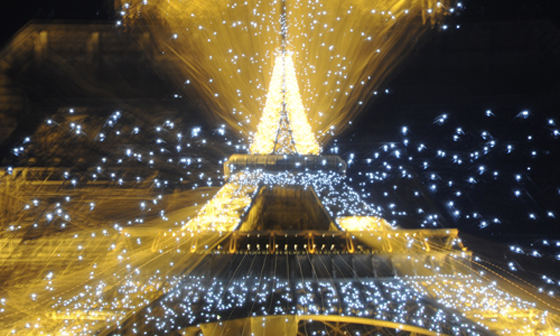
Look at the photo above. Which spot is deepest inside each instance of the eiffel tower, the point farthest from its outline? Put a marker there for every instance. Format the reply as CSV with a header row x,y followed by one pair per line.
x,y
286,247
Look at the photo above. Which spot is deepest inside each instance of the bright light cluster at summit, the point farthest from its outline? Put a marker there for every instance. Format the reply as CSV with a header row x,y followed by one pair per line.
x,y
341,51
284,94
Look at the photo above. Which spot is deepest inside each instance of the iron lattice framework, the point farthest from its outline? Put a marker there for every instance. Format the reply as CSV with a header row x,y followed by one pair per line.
x,y
320,279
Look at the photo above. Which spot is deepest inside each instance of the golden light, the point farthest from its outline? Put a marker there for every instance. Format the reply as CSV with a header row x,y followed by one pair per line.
x,y
342,51
223,212
284,109
363,223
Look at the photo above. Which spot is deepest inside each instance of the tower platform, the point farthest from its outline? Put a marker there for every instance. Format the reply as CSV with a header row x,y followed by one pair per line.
x,y
280,163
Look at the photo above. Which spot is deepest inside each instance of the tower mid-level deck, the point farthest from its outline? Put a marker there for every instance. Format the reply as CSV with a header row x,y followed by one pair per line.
x,y
282,163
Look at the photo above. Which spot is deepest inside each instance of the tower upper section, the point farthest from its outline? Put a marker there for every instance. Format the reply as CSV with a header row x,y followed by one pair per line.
x,y
284,128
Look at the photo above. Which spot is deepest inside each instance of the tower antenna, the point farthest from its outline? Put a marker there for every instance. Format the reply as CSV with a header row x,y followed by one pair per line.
x,y
284,129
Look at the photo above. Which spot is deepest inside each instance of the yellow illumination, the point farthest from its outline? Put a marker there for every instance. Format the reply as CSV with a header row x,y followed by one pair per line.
x,y
362,223
490,306
224,210
266,139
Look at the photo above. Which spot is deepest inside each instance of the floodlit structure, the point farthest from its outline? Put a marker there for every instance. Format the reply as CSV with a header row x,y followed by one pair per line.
x,y
284,247
287,248
282,262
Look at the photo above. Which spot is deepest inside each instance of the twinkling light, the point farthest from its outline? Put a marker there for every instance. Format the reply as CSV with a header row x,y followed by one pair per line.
x,y
370,223
283,95
145,264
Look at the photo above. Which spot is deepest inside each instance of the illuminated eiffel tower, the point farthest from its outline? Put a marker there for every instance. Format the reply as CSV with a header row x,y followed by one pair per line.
x,y
287,248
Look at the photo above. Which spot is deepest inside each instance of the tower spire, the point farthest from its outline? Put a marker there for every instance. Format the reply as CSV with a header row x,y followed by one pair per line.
x,y
283,128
